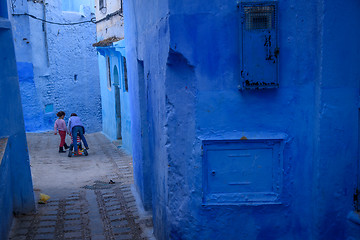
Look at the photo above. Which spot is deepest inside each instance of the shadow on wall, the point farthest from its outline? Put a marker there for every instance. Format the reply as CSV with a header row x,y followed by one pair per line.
x,y
36,116
180,111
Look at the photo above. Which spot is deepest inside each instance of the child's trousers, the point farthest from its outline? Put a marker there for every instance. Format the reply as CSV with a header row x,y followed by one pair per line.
x,y
62,138
75,131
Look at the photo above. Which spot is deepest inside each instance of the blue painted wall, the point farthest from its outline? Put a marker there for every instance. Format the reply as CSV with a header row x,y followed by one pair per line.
x,y
115,52
33,108
183,65
16,193
76,5
148,30
55,65
337,121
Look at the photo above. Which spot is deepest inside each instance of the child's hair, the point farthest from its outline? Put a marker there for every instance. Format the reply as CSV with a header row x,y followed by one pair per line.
x,y
73,114
60,113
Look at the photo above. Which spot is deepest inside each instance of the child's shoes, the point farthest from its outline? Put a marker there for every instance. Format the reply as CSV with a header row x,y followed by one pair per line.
x,y
61,150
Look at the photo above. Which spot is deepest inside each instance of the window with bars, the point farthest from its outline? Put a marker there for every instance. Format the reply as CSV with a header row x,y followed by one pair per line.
x,y
259,17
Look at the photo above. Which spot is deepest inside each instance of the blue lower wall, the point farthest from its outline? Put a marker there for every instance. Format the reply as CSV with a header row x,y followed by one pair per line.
x,y
35,118
16,190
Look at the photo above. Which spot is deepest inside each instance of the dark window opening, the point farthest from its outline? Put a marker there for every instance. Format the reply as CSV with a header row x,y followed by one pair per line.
x,y
101,4
108,73
126,88
260,22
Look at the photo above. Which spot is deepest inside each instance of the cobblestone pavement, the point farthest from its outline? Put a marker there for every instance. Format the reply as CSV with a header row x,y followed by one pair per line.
x,y
83,204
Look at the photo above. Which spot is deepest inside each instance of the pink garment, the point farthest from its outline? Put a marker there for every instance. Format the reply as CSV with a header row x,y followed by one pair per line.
x,y
60,125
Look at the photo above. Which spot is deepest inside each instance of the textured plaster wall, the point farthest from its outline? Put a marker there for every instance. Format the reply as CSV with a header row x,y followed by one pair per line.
x,y
58,72
34,115
16,193
147,38
72,61
183,59
222,112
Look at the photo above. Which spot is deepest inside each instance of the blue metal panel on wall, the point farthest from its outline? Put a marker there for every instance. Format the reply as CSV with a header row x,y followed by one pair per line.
x,y
242,171
259,45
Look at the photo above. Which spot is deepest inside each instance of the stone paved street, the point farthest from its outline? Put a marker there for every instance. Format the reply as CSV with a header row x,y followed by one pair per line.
x,y
83,203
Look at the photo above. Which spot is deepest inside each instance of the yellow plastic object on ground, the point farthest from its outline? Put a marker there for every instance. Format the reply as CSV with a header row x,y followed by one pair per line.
x,y
43,198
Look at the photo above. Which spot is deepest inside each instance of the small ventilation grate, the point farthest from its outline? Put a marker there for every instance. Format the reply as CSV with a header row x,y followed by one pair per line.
x,y
259,17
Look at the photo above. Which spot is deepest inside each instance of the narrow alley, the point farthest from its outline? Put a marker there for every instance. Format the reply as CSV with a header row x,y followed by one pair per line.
x,y
238,120
91,197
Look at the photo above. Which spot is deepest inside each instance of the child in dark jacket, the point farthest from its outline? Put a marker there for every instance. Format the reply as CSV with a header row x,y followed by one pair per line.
x,y
74,128
60,126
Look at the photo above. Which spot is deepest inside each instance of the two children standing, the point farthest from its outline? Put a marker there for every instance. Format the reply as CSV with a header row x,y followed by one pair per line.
x,y
74,128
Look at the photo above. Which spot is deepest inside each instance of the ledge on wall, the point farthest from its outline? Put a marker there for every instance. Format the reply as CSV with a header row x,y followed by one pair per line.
x,y
107,42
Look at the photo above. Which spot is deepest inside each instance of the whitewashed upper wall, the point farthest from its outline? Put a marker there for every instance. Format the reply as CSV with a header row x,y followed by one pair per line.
x,y
112,27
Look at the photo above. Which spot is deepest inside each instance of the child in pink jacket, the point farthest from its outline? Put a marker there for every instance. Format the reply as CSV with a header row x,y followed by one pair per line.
x,y
60,126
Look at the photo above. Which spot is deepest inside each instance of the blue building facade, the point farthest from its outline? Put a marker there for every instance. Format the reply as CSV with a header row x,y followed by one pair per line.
x,y
16,193
55,62
116,122
245,117
114,93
